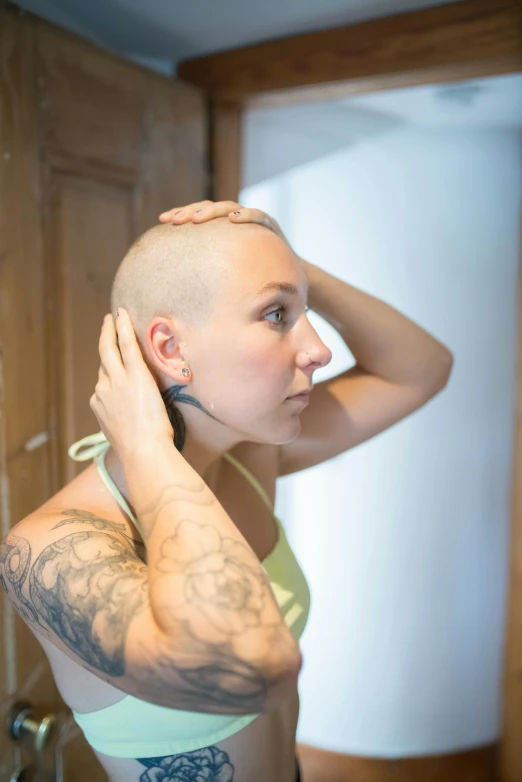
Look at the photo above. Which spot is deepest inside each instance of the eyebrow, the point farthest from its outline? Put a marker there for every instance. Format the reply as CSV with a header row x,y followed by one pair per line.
x,y
283,287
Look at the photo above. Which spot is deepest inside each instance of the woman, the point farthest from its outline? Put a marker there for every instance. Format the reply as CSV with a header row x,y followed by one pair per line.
x,y
159,582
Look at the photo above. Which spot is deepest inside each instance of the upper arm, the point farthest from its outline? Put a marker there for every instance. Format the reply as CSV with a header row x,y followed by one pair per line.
x,y
83,587
347,410
77,579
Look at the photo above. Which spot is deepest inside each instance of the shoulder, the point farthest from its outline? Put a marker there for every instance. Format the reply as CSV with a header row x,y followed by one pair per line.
x,y
52,533
46,557
53,522
83,503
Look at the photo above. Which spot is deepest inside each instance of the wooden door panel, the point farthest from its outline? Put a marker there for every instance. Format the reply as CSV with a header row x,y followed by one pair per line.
x,y
91,150
21,258
24,482
91,104
120,146
89,231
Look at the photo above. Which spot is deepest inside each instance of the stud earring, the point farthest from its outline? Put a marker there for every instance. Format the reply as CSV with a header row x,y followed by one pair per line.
x,y
185,372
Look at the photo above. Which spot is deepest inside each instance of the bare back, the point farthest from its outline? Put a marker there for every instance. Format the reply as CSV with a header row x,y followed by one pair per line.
x,y
264,749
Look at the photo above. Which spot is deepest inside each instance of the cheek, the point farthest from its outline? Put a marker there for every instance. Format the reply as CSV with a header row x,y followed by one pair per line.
x,y
264,367
257,371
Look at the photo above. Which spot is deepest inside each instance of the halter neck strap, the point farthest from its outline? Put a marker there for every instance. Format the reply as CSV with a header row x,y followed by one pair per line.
x,y
93,445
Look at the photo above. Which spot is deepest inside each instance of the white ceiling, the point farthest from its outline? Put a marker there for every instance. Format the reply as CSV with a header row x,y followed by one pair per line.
x,y
292,136
161,32
494,102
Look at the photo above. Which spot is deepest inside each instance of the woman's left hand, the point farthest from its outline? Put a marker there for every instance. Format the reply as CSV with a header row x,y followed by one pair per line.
x,y
202,211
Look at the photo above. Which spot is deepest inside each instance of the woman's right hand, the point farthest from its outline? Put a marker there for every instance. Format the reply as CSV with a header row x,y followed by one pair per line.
x,y
126,400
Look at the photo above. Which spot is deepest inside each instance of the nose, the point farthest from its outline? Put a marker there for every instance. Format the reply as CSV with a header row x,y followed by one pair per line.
x,y
315,350
320,357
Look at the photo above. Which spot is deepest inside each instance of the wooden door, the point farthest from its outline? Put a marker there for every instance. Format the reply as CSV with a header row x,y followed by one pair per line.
x,y
92,149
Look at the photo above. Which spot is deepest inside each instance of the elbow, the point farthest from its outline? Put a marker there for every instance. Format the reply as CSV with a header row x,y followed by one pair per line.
x,y
282,680
439,372
436,379
445,369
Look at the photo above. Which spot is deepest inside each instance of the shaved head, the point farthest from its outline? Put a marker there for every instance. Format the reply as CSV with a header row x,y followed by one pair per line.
x,y
225,301
174,271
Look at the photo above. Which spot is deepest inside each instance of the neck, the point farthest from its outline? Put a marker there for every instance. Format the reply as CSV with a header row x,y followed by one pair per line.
x,y
205,441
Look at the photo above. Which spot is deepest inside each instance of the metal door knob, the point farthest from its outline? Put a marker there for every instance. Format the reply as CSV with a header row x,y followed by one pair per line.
x,y
21,723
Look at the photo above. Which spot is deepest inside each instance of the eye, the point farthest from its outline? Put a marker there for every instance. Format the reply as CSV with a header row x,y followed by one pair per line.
x,y
280,310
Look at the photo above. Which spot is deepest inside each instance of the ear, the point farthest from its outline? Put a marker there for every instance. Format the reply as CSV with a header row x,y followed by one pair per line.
x,y
163,346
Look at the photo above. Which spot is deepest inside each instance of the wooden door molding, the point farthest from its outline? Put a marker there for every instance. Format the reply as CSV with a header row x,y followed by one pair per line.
x,y
450,42
226,145
511,741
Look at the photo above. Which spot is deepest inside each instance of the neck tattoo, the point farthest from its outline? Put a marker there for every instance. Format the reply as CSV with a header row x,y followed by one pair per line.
x,y
170,397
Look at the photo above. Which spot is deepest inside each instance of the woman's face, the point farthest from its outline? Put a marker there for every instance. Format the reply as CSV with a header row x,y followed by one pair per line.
x,y
252,355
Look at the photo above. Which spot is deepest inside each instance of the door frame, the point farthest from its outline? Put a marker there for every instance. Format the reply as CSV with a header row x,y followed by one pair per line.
x,y
446,43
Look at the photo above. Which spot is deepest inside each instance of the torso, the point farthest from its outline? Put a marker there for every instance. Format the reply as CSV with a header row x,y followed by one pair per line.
x,y
263,750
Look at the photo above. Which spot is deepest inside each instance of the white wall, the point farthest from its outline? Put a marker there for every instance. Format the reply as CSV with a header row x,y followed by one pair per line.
x,y
404,540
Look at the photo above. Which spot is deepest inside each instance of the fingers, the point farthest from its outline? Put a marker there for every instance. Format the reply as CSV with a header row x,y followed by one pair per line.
x,y
202,211
199,212
108,349
128,343
210,210
245,215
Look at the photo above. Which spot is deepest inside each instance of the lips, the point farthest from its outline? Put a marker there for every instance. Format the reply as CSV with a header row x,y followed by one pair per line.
x,y
306,393
300,397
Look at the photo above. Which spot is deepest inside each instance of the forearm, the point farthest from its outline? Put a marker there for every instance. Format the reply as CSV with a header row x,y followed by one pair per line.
x,y
382,340
203,575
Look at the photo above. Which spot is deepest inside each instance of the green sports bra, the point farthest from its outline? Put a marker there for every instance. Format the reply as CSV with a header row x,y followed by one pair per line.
x,y
133,728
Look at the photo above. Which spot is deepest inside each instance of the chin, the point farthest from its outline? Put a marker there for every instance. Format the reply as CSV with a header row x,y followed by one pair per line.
x,y
284,434
273,433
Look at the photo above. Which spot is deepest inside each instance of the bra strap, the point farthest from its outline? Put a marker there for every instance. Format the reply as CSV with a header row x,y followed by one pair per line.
x,y
93,445
96,445
116,493
251,479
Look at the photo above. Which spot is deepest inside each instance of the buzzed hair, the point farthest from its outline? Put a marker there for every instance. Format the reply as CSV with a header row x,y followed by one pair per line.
x,y
173,271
